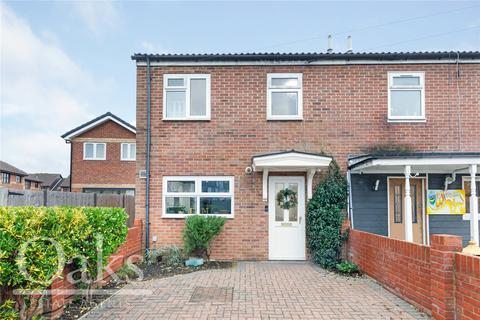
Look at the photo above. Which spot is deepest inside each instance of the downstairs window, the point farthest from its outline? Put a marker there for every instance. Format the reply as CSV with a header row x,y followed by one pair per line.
x,y
183,196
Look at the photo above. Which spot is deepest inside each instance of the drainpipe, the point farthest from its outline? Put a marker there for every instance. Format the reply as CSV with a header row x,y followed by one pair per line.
x,y
147,187
350,203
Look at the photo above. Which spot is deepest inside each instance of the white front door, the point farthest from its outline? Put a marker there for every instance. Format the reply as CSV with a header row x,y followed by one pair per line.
x,y
286,228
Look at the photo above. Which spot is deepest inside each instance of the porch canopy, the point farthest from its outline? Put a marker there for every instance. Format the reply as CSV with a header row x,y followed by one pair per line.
x,y
290,161
413,164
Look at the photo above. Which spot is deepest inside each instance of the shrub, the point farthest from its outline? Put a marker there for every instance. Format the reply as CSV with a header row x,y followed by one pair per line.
x,y
325,214
36,242
170,256
199,232
346,267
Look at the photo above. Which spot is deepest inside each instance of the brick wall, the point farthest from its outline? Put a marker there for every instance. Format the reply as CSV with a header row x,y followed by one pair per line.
x,y
437,279
109,173
130,250
13,183
467,287
345,112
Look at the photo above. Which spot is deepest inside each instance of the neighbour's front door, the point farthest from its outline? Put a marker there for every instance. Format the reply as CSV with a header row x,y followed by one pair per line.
x,y
397,208
286,239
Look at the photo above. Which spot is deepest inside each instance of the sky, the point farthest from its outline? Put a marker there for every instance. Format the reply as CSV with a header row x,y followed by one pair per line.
x,y
63,63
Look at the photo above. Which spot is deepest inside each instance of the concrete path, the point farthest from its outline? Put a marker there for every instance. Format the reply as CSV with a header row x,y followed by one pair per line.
x,y
257,290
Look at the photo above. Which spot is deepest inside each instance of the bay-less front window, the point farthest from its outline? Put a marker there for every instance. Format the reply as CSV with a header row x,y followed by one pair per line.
x,y
183,196
186,97
94,151
284,96
406,96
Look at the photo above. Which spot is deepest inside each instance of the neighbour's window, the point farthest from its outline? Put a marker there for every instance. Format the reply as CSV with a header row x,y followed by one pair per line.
x,y
28,184
94,151
467,186
36,184
18,179
5,178
186,97
284,96
128,151
183,196
406,96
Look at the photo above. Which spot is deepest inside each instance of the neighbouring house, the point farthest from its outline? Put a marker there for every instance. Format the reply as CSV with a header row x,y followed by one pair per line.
x,y
48,181
224,134
12,177
65,185
102,153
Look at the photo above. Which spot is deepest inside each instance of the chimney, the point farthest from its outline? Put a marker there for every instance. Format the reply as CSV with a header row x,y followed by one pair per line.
x,y
330,45
349,44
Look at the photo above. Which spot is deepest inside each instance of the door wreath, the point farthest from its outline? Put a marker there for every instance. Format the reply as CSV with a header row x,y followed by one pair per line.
x,y
287,198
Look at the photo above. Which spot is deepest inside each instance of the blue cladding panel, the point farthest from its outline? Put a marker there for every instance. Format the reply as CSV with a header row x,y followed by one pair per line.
x,y
370,211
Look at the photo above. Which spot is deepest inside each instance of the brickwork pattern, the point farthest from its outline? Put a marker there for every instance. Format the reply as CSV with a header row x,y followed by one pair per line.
x,y
345,112
467,287
261,290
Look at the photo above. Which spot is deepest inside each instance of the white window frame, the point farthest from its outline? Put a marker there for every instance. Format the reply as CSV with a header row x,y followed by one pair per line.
x,y
94,151
421,87
186,78
197,194
466,216
271,89
128,145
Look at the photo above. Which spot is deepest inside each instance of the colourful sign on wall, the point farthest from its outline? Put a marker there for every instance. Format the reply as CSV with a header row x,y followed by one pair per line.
x,y
446,202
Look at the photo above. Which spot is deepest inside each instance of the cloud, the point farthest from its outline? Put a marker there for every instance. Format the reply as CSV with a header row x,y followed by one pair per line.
x,y
43,93
99,16
149,47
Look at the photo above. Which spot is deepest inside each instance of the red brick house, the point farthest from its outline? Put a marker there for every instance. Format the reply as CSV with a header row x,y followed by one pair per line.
x,y
12,177
102,153
224,134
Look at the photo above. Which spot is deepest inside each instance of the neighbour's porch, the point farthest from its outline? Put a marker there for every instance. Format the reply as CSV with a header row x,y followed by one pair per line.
x,y
410,196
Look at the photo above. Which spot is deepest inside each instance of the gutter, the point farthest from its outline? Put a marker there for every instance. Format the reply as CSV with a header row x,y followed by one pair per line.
x,y
147,187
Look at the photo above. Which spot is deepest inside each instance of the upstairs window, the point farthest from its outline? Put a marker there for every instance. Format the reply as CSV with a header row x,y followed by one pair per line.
x,y
186,97
284,96
183,196
128,152
94,151
406,96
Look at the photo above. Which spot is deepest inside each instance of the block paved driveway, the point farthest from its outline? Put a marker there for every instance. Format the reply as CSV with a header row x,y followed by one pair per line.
x,y
257,290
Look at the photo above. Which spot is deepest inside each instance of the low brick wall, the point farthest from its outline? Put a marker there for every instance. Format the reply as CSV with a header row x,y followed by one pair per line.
x,y
467,287
130,250
437,279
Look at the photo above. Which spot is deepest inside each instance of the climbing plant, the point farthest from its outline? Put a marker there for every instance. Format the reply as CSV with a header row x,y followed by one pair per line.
x,y
325,214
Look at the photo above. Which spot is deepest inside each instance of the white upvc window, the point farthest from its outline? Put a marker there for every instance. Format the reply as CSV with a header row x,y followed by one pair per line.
x,y
128,152
184,196
467,186
406,96
284,96
94,151
186,97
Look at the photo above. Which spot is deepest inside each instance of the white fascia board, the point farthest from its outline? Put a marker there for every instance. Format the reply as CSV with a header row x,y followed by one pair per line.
x,y
431,165
304,63
96,123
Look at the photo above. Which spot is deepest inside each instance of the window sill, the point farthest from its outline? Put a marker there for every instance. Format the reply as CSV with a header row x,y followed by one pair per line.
x,y
94,159
186,119
421,120
284,119
131,160
183,216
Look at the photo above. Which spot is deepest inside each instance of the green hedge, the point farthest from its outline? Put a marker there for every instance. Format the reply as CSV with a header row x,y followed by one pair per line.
x,y
36,243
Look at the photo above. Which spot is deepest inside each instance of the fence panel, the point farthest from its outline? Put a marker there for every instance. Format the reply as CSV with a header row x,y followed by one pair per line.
x,y
13,198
